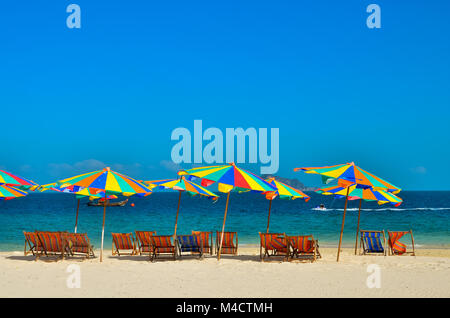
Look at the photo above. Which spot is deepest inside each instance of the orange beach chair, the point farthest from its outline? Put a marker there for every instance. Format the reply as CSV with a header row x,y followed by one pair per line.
x,y
31,239
207,241
162,244
229,244
51,243
304,247
79,243
144,241
273,244
398,248
123,242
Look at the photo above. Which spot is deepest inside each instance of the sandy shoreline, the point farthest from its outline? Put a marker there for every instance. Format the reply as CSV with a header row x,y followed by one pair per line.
x,y
426,275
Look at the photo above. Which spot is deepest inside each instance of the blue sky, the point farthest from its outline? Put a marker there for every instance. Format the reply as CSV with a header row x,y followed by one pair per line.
x,y
111,93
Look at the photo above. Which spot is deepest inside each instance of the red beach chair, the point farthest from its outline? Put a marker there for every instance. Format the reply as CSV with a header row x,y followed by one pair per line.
x,y
229,244
162,244
123,242
304,247
273,244
79,243
51,243
31,239
398,248
144,241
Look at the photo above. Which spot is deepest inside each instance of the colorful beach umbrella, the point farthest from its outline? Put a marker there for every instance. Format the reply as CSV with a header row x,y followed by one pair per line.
x,y
347,175
8,193
229,177
12,180
350,173
181,185
369,194
284,192
108,182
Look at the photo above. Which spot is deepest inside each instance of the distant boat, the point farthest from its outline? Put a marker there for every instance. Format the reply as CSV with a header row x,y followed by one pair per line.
x,y
108,203
321,207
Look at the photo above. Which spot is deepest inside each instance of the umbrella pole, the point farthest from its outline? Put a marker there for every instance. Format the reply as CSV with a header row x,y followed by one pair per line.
x,y
103,230
76,218
176,219
176,223
268,217
357,228
223,227
342,227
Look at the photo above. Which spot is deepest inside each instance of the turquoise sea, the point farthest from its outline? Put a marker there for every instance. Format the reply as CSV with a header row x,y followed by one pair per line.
x,y
426,213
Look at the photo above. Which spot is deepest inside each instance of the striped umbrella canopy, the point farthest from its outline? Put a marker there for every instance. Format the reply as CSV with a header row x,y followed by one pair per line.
x,y
350,173
15,181
368,194
284,192
355,193
8,193
181,185
229,177
107,182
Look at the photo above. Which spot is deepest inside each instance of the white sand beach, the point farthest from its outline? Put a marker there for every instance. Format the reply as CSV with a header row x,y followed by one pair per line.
x,y
426,275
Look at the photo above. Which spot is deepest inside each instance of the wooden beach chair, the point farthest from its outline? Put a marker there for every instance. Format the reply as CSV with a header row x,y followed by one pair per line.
x,y
144,241
304,247
398,248
79,244
162,245
190,243
207,241
31,240
51,244
273,244
123,242
230,242
372,242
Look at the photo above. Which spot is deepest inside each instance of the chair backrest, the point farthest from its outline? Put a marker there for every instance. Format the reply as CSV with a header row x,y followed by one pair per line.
x,y
31,237
228,238
144,237
372,241
78,239
205,237
162,240
302,243
123,241
189,240
394,241
51,241
273,241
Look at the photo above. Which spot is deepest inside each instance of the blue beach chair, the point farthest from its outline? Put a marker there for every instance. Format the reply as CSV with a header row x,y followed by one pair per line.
x,y
371,242
190,244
